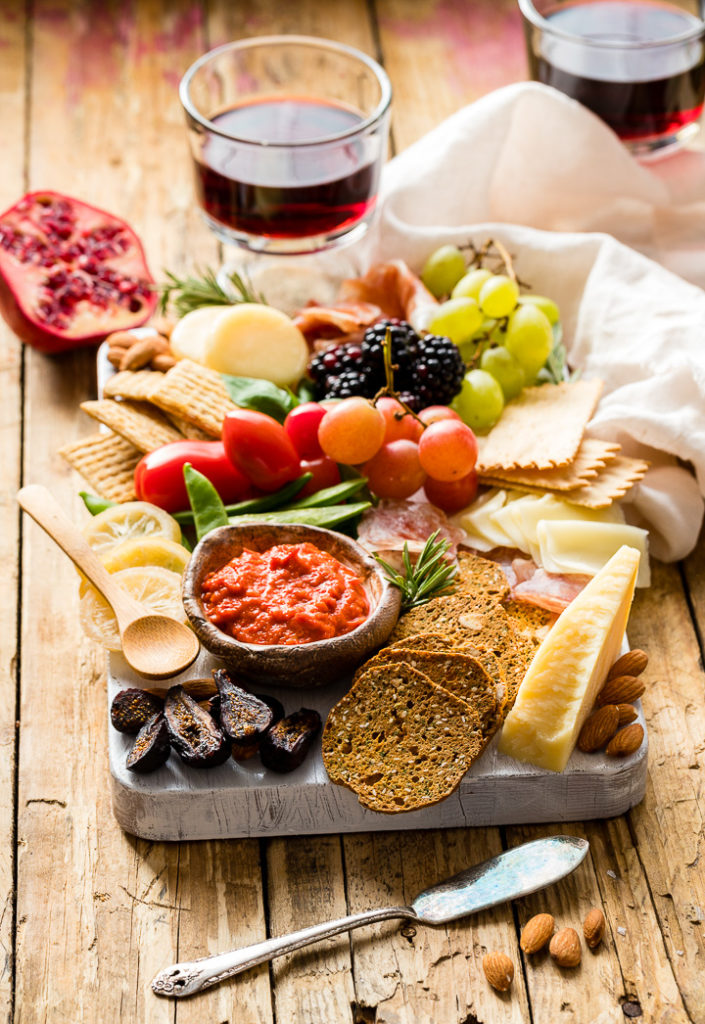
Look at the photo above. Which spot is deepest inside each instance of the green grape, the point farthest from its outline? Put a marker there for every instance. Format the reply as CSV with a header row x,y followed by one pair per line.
x,y
529,338
457,319
498,295
480,401
468,287
547,306
443,269
505,370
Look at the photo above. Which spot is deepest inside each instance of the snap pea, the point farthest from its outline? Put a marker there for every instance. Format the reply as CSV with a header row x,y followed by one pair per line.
x,y
261,504
94,504
331,495
206,504
329,516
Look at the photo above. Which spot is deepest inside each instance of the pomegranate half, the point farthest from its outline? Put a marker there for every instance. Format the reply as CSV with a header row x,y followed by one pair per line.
x,y
70,274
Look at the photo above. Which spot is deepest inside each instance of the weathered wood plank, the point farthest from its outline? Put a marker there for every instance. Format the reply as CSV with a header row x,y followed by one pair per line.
x,y
13,99
407,973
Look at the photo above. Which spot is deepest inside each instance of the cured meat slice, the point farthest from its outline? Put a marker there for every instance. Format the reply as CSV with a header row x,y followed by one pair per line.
x,y
392,286
394,523
549,591
336,321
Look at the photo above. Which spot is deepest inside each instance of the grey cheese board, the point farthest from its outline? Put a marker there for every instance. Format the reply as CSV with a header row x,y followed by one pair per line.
x,y
243,799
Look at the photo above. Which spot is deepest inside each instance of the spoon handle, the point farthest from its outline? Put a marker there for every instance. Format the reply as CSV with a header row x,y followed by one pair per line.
x,y
41,506
185,979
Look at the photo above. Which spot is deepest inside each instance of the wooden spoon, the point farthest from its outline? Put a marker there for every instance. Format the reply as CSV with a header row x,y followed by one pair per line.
x,y
155,646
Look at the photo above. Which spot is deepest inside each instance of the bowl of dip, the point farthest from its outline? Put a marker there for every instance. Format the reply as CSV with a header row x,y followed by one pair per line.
x,y
291,604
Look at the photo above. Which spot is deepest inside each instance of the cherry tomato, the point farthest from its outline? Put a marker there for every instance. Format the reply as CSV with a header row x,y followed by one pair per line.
x,y
452,495
399,424
325,474
260,448
302,427
395,471
159,475
433,413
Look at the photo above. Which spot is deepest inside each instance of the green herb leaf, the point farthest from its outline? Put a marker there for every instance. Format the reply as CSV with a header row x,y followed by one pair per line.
x,y
304,392
327,517
94,504
202,289
261,395
431,576
554,371
206,504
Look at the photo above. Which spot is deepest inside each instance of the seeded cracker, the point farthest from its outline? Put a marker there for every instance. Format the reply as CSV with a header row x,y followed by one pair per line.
x,y
613,482
531,621
139,384
399,741
478,575
196,394
541,429
138,422
107,463
591,458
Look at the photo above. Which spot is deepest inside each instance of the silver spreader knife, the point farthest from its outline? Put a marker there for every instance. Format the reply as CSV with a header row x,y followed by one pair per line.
x,y
516,872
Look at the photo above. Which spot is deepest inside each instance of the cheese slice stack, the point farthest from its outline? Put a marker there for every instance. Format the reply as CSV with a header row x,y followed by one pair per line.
x,y
570,667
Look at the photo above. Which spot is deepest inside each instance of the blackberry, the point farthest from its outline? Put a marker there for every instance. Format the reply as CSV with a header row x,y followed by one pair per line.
x,y
438,371
345,384
405,342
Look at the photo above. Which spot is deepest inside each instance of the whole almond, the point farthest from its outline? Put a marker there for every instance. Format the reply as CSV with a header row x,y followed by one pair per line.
x,y
499,970
143,351
594,927
632,663
627,713
121,339
565,948
536,933
620,690
626,741
599,729
163,361
164,325
115,355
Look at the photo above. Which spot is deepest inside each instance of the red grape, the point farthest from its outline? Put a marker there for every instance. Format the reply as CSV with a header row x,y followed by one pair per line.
x,y
395,471
399,424
352,431
448,450
453,495
433,413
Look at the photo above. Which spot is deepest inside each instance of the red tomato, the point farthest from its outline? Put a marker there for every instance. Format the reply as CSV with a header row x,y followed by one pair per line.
x,y
433,413
452,495
399,425
159,475
302,427
260,448
325,474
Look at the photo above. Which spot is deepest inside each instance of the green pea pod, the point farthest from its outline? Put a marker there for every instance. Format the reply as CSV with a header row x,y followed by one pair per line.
x,y
261,504
94,504
331,495
328,517
206,504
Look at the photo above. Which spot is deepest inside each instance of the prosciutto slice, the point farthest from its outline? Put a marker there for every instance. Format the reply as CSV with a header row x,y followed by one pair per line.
x,y
392,286
548,590
338,321
392,524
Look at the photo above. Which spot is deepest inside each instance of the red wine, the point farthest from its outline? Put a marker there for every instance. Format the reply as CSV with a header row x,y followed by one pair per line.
x,y
640,92
282,190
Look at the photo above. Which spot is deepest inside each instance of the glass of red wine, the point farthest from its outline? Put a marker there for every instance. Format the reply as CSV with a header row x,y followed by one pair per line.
x,y
288,135
637,64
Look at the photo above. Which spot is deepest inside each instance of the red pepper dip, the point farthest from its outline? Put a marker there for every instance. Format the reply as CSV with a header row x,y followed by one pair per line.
x,y
290,594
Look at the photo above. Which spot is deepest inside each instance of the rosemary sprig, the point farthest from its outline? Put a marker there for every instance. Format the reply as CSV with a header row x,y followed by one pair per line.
x,y
431,576
202,289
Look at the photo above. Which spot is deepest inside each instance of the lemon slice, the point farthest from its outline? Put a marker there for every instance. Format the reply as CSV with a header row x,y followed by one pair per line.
x,y
124,522
150,550
158,589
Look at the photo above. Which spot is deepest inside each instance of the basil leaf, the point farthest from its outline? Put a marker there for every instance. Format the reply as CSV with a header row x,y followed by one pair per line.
x,y
554,371
261,395
304,392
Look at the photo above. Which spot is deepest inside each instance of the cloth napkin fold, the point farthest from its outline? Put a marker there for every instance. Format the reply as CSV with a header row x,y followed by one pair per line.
x,y
541,173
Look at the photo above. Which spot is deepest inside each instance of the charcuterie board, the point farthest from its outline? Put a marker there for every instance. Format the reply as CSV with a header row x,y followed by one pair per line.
x,y
242,799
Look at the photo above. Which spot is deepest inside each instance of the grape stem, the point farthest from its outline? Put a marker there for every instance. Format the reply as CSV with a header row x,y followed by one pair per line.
x,y
388,389
485,251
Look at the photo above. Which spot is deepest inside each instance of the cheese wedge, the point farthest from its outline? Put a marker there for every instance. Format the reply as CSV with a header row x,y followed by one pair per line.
x,y
569,668
570,546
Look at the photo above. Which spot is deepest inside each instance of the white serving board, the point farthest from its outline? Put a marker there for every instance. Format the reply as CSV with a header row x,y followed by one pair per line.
x,y
243,799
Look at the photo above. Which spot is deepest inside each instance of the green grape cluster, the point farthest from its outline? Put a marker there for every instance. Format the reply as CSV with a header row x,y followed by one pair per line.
x,y
505,337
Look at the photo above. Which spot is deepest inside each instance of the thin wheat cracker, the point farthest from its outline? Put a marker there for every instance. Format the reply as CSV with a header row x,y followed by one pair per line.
x,y
196,394
106,462
541,429
611,483
590,459
138,422
136,384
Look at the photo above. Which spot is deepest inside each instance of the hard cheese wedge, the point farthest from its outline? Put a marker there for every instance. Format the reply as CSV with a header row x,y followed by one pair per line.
x,y
570,667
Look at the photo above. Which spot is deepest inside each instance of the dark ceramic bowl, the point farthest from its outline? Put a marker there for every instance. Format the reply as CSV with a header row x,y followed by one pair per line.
x,y
309,664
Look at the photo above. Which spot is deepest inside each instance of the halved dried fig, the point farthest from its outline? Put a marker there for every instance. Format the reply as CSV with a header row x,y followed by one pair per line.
x,y
194,735
244,718
272,702
132,708
151,748
288,742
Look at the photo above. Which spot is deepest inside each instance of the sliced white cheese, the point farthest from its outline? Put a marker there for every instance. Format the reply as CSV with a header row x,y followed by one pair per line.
x,y
571,546
478,522
569,668
506,519
549,507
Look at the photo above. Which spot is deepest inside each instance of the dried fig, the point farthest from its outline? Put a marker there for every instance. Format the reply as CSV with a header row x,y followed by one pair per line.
x,y
151,747
132,708
193,734
272,702
288,742
244,718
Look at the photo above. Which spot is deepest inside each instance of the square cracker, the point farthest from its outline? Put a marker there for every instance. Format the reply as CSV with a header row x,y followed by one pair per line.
x,y
138,384
107,462
612,482
591,457
541,429
138,422
196,394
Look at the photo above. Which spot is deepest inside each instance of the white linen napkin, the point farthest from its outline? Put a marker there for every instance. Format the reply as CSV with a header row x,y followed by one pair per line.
x,y
533,168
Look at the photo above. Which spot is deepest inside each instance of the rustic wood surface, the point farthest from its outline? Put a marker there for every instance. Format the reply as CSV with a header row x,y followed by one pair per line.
x,y
88,106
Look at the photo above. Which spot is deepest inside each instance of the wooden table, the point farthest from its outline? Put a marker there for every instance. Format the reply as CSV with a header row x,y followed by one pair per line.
x,y
89,106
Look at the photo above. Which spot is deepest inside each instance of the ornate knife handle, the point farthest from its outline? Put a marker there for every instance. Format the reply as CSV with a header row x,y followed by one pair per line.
x,y
187,978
